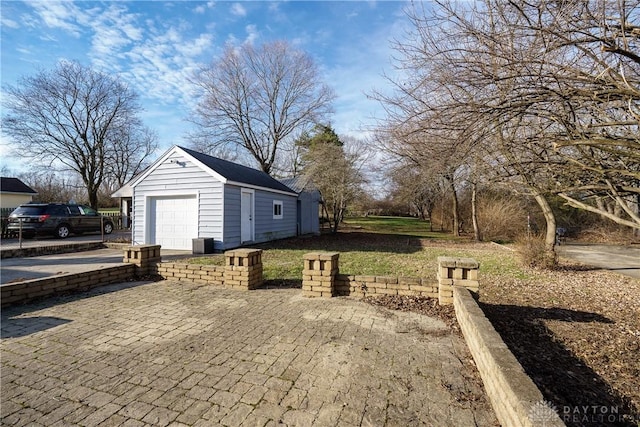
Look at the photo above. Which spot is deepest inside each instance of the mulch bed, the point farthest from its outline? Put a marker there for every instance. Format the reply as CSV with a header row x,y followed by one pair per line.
x,y
576,332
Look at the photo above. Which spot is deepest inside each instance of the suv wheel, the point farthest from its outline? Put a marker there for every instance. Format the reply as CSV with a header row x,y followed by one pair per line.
x,y
62,231
108,228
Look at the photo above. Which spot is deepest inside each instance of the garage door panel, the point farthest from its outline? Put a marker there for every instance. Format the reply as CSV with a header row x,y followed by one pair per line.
x,y
174,221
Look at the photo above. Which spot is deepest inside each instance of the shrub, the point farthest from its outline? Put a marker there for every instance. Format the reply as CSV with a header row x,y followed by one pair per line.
x,y
501,217
533,252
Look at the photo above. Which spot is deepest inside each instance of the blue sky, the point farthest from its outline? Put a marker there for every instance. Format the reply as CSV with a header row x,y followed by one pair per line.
x,y
155,45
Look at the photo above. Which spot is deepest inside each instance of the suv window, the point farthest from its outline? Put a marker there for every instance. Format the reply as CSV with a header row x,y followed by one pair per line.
x,y
75,210
86,210
29,210
57,211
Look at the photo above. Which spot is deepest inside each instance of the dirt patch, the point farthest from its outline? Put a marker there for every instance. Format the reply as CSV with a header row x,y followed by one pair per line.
x,y
421,305
464,392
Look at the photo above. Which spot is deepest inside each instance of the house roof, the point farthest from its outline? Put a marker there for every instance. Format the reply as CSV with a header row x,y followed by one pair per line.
x,y
14,185
124,191
236,173
224,170
299,184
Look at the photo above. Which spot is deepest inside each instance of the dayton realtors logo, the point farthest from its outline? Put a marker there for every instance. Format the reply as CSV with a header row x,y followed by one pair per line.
x,y
544,413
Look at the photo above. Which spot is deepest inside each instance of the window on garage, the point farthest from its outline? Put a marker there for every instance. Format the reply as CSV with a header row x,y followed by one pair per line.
x,y
277,209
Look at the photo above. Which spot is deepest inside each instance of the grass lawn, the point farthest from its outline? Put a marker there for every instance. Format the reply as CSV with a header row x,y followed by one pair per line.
x,y
378,246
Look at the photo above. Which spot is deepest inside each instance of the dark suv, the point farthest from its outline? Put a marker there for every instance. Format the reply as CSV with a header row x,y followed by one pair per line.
x,y
58,219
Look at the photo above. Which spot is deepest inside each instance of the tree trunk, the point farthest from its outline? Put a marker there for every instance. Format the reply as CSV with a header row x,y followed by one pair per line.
x,y
325,214
454,206
92,192
549,217
336,218
474,212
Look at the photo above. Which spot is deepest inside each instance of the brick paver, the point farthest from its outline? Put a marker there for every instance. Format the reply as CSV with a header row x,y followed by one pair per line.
x,y
176,354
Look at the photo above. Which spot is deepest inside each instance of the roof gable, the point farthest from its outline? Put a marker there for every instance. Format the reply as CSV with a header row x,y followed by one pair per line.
x,y
14,185
223,170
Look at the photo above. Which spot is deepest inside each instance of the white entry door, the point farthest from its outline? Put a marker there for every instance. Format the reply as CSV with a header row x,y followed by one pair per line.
x,y
246,216
173,221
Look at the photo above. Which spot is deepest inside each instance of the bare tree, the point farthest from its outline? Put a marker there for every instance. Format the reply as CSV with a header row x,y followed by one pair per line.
x,y
133,144
73,115
545,95
257,98
55,187
419,188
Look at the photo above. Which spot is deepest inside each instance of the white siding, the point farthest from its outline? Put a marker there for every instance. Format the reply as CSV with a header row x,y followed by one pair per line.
x,y
182,178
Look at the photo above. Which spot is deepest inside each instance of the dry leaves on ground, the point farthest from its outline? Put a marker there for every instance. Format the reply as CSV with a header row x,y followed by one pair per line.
x,y
576,332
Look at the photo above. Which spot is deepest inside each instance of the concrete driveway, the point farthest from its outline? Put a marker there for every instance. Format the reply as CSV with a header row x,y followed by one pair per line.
x,y
169,353
622,259
51,241
27,268
19,269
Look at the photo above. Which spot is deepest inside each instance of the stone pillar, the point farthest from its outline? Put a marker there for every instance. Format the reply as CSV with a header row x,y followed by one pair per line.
x,y
243,268
144,257
456,272
319,274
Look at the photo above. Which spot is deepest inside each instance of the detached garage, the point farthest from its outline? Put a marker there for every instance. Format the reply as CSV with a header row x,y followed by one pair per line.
x,y
186,195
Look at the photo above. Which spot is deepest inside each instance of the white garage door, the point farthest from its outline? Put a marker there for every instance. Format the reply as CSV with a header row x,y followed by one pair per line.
x,y
174,221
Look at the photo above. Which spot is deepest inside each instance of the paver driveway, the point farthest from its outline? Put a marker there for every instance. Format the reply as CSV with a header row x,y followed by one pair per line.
x,y
166,353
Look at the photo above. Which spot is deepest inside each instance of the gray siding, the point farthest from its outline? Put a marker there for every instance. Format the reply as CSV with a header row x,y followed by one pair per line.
x,y
231,216
309,219
173,179
266,228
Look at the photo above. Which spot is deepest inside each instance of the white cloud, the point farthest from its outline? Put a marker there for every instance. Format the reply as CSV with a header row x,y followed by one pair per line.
x,y
238,10
252,34
202,8
113,30
59,15
195,47
161,65
10,23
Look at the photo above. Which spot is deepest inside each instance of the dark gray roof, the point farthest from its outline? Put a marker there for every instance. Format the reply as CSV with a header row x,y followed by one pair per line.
x,y
238,173
14,185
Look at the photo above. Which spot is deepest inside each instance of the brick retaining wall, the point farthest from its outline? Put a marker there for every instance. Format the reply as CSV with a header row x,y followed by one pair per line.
x,y
50,250
242,270
361,286
201,274
513,395
321,278
28,290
